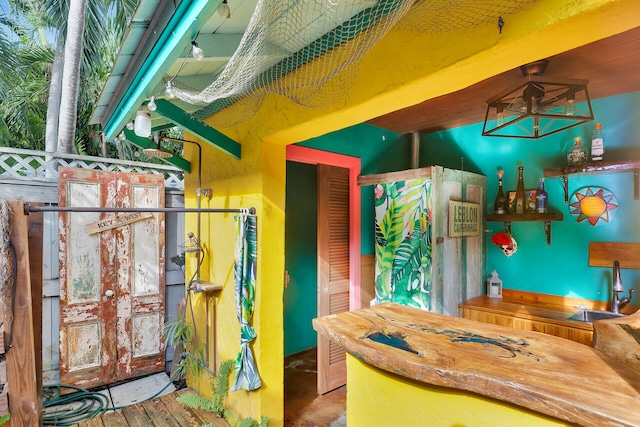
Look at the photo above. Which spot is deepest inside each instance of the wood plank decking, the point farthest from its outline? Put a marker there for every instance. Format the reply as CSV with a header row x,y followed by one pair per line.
x,y
163,411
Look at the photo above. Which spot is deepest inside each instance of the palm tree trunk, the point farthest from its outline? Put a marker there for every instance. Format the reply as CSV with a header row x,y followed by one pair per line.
x,y
53,103
70,76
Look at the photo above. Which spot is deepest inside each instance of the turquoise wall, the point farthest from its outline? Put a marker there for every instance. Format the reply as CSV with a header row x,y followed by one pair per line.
x,y
300,297
560,269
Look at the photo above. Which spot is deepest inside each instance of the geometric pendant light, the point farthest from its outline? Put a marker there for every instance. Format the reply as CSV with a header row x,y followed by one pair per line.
x,y
538,106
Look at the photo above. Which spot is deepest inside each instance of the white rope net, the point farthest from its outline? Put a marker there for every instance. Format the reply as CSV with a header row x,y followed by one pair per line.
x,y
292,48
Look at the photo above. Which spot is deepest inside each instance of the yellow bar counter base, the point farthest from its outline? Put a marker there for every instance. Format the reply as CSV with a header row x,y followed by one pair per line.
x,y
409,367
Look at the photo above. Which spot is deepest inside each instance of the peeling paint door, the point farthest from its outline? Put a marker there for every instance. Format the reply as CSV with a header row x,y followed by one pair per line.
x,y
140,282
111,282
333,269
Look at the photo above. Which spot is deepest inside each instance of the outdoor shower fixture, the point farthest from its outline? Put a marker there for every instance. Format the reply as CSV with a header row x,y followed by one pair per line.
x,y
193,244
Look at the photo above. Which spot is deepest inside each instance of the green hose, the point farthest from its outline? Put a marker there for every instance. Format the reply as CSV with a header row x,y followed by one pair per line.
x,y
80,405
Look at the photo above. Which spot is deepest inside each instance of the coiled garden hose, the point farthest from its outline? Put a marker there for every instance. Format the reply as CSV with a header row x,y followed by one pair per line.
x,y
81,405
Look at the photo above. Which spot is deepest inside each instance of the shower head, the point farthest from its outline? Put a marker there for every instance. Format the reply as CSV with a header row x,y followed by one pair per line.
x,y
157,151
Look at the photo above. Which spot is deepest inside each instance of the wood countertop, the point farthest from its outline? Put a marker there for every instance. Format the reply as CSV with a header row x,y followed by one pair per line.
x,y
549,313
547,374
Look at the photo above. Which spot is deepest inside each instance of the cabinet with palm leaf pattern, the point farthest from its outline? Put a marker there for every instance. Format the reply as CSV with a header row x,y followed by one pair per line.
x,y
420,262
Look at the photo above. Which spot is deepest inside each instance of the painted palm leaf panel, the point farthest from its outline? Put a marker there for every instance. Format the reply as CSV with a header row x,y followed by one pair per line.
x,y
403,242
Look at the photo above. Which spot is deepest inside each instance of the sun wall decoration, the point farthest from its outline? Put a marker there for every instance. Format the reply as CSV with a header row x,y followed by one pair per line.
x,y
593,204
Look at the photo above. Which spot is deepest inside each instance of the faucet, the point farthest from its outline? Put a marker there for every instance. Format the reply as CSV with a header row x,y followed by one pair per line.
x,y
616,303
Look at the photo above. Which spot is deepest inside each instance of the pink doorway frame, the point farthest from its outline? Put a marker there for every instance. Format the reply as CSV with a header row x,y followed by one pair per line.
x,y
312,156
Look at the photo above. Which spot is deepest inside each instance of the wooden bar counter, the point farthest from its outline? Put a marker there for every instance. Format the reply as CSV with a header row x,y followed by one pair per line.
x,y
571,383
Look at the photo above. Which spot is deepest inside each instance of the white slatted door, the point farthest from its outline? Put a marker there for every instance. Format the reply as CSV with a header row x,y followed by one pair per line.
x,y
333,268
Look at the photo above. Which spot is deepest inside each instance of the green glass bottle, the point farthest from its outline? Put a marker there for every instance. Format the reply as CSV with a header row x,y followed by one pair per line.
x,y
520,201
500,202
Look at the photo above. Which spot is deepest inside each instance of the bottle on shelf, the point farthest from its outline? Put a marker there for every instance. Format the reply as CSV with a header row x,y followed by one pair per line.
x,y
597,144
520,202
500,202
541,198
578,154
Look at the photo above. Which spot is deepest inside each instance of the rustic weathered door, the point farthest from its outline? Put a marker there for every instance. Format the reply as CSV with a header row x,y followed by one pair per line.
x,y
112,281
333,268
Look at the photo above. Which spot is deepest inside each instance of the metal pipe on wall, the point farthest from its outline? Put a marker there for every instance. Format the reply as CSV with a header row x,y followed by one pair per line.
x,y
415,150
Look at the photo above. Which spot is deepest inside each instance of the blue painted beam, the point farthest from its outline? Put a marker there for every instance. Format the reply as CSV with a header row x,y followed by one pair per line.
x,y
198,128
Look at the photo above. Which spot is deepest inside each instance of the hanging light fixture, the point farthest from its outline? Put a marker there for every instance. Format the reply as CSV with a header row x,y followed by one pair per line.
x,y
538,106
142,123
151,105
196,51
169,91
224,10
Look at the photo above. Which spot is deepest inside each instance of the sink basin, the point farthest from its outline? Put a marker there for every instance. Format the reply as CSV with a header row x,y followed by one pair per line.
x,y
591,315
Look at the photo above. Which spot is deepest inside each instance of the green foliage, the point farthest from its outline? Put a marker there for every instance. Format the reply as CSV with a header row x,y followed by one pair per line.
x,y
5,418
179,334
220,389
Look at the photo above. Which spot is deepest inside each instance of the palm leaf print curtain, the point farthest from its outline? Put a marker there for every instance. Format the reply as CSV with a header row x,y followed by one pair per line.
x,y
244,274
403,242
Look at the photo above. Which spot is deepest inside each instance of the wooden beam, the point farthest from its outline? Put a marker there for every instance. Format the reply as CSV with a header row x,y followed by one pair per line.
x,y
198,128
404,175
24,405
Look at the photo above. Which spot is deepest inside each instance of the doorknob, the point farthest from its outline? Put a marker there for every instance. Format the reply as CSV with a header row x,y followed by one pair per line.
x,y
108,293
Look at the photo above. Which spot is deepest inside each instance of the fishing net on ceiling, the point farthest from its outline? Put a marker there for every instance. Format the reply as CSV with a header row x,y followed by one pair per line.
x,y
293,48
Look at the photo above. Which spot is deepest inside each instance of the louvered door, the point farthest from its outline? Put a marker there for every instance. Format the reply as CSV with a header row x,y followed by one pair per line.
x,y
333,268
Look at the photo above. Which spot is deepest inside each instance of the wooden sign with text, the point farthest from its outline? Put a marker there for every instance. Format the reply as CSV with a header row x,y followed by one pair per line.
x,y
464,219
117,221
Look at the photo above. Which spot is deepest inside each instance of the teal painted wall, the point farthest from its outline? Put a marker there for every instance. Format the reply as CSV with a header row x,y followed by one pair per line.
x,y
300,297
379,150
562,268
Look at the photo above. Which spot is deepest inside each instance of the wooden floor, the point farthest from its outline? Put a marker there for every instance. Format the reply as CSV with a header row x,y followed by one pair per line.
x,y
303,407
163,411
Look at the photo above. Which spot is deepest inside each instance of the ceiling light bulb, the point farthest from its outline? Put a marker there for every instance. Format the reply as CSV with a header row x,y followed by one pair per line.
x,y
122,136
170,92
196,51
142,124
130,125
224,10
152,104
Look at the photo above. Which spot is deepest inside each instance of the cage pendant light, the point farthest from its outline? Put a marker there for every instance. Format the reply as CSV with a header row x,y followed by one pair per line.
x,y
537,107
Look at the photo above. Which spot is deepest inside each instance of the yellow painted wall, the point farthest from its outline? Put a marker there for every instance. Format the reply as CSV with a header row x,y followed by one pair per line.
x,y
406,68
255,181
379,398
403,69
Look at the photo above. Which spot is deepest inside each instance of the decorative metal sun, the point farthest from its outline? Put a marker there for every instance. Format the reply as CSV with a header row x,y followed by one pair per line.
x,y
593,204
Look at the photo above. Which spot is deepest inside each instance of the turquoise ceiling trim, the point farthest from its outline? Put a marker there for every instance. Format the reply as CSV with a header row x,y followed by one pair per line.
x,y
143,143
189,17
198,128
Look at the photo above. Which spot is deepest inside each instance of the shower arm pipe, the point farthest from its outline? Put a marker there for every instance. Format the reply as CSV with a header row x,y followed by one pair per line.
x,y
198,197
28,209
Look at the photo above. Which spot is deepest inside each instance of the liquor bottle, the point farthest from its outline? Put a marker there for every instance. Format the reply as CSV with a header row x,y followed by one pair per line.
x,y
578,154
541,198
520,201
597,144
499,203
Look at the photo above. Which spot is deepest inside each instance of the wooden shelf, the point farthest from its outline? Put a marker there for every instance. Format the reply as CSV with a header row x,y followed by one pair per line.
x,y
528,217
565,172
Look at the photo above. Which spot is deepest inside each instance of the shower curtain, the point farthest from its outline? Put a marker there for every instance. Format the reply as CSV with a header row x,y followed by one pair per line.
x,y
403,242
244,273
